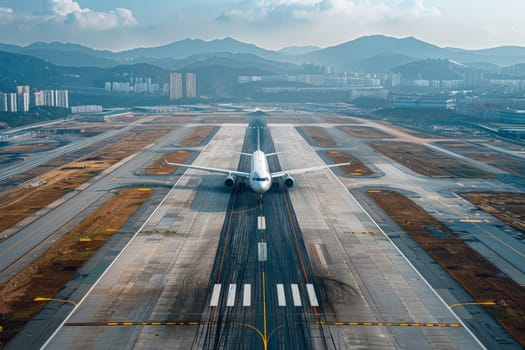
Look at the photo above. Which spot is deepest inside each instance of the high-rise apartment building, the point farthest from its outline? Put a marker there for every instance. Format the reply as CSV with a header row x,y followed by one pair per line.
x,y
49,98
191,85
22,101
38,98
3,102
22,89
62,98
8,102
176,86
22,98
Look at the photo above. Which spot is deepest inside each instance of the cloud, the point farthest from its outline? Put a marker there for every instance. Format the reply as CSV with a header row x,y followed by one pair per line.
x,y
71,13
62,7
6,14
311,10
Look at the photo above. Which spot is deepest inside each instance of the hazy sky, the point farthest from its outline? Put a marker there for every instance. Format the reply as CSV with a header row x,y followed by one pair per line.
x,y
272,24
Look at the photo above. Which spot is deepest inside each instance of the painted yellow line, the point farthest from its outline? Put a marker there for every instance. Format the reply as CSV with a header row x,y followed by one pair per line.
x,y
374,191
364,232
264,337
386,324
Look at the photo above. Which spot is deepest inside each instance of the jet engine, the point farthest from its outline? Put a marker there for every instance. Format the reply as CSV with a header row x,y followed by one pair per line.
x,y
229,181
289,181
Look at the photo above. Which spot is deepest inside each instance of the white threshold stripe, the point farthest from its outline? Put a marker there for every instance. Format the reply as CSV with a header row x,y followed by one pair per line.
x,y
296,295
231,295
215,295
247,298
281,298
311,294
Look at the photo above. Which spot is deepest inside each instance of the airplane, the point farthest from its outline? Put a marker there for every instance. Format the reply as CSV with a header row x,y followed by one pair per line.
x,y
259,178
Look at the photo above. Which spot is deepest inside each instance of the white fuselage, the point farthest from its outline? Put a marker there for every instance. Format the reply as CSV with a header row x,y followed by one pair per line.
x,y
260,178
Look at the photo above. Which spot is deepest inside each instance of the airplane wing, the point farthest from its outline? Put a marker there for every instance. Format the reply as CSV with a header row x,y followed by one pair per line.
x,y
211,170
305,170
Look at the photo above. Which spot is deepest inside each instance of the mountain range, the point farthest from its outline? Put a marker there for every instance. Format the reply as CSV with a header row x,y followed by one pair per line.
x,y
219,63
376,53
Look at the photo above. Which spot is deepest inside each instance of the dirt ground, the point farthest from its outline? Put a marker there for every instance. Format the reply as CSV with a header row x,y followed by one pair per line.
x,y
23,201
20,202
30,148
482,280
159,167
486,155
197,136
356,168
508,207
47,275
340,119
318,135
427,162
173,118
412,132
365,132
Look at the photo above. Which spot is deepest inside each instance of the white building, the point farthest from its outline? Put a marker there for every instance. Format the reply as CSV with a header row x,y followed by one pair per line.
x,y
86,109
49,98
8,102
38,98
62,98
23,102
175,86
191,85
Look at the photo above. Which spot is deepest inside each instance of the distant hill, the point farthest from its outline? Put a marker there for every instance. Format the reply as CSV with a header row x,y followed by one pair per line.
x,y
373,46
18,69
340,56
230,59
22,69
431,69
299,50
377,64
191,47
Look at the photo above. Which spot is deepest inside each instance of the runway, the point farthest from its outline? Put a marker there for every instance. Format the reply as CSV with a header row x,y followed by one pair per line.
x,y
297,278
262,292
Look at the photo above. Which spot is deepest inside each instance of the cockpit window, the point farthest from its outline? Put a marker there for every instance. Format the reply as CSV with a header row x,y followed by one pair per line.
x,y
260,179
